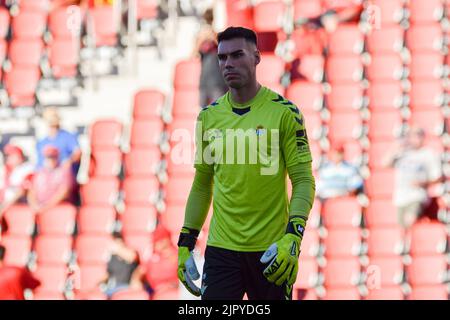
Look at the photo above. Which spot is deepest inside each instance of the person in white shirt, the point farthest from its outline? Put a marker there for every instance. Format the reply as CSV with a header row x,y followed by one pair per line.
x,y
17,174
416,168
338,177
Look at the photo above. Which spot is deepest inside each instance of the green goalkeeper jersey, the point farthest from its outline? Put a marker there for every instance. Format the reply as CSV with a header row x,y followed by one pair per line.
x,y
248,147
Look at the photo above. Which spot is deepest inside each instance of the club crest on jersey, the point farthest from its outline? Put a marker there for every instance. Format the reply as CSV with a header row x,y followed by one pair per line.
x,y
260,130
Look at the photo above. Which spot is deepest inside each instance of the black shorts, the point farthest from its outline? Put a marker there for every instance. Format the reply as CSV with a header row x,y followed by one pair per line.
x,y
228,275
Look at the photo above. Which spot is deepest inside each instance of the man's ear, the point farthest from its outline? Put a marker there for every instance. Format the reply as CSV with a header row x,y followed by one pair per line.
x,y
257,57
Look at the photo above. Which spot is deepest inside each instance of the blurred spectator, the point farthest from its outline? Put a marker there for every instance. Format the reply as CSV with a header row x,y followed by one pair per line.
x,y
52,184
338,177
212,85
14,280
416,168
66,142
312,33
121,266
17,177
159,273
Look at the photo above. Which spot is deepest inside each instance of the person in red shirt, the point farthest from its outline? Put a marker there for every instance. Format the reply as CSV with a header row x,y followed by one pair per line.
x,y
52,184
159,273
14,280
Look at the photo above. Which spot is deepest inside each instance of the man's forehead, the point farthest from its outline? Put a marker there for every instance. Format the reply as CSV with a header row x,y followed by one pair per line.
x,y
233,45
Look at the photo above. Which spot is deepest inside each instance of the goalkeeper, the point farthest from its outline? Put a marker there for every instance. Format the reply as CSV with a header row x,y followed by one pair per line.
x,y
255,233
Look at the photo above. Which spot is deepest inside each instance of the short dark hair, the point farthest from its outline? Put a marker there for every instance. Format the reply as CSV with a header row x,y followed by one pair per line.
x,y
236,33
2,252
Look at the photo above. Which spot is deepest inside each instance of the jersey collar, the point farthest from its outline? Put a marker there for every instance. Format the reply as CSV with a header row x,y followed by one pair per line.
x,y
256,101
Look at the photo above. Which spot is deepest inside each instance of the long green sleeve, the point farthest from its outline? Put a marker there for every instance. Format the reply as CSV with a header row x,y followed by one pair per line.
x,y
199,200
303,189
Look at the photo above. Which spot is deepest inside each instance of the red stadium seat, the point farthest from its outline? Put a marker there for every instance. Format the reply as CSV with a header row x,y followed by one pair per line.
x,y
313,123
36,5
141,191
93,295
342,294
130,295
187,75
146,133
345,97
432,292
96,220
58,22
104,25
3,50
4,22
239,14
345,126
385,95
427,270
142,243
173,218
310,67
25,52
347,39
21,84
63,58
381,213
52,278
342,272
186,104
148,104
136,220
353,152
93,249
431,121
385,271
386,293
386,67
142,162
426,12
347,68
428,238
341,212
53,250
307,9
380,184
268,16
177,190
385,124
390,11
100,191
270,69
308,274
105,133
59,220
17,250
105,162
91,276
29,25
426,94
388,39
385,241
310,246
167,294
147,9
43,295
343,242
427,66
19,220
306,95
428,37
377,152
177,168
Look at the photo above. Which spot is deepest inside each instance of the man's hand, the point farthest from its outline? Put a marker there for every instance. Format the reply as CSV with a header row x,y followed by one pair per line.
x,y
282,256
187,270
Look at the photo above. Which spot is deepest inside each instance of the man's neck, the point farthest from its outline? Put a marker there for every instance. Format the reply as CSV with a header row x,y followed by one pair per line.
x,y
245,94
